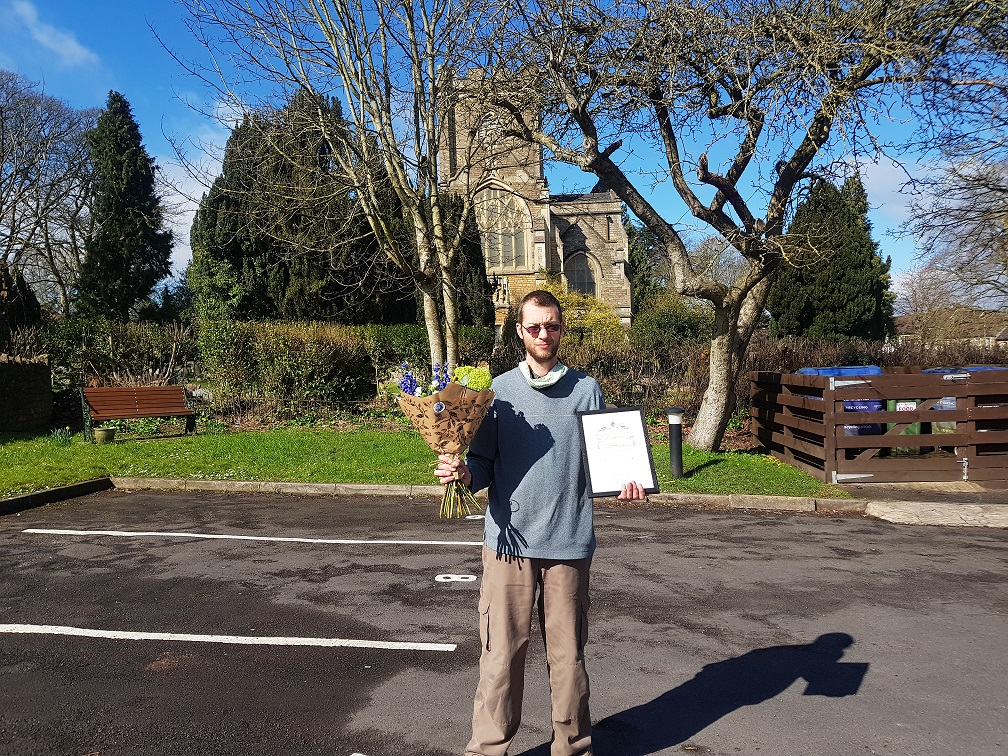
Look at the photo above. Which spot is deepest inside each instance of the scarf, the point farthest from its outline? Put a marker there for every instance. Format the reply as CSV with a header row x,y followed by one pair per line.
x,y
554,375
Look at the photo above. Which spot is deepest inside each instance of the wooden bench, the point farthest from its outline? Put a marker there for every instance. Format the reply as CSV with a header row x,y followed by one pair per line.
x,y
130,403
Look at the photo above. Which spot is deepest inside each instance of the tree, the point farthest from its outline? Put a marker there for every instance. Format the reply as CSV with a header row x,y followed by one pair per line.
x,y
225,281
393,65
929,308
171,302
45,179
963,229
280,234
130,251
18,304
835,285
648,267
960,218
737,100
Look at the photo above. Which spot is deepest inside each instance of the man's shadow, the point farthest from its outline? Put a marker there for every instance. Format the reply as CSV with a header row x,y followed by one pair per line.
x,y
721,688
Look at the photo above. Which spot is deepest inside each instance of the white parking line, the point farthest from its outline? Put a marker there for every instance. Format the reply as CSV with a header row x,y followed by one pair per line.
x,y
244,640
230,537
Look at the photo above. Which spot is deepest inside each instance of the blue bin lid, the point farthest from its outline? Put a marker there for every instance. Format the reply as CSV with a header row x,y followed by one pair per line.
x,y
843,370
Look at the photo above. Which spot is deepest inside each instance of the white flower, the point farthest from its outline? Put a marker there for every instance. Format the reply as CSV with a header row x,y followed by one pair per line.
x,y
418,392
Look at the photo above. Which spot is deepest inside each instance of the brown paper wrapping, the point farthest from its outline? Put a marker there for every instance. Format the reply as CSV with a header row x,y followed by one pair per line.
x,y
451,431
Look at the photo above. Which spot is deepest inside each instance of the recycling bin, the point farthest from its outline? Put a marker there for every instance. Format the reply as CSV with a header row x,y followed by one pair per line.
x,y
854,405
913,429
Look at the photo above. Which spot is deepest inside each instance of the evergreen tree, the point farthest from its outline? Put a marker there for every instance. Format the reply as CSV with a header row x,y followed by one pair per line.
x,y
834,285
130,250
475,297
19,307
224,275
648,268
280,235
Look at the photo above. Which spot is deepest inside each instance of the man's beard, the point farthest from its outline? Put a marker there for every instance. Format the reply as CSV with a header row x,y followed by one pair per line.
x,y
543,353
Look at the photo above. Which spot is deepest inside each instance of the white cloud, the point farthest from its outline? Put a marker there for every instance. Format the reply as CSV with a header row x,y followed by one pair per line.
x,y
885,181
185,185
182,200
68,51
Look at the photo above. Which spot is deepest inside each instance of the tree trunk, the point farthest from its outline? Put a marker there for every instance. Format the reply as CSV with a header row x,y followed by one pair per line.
x,y
432,319
733,329
428,283
451,322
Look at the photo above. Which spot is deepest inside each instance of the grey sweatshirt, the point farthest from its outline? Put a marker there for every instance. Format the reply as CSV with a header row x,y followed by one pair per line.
x,y
528,451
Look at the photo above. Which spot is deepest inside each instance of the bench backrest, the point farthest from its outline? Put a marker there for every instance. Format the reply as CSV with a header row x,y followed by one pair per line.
x,y
123,403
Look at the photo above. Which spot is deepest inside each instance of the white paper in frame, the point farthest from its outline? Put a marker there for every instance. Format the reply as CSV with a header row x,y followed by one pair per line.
x,y
616,450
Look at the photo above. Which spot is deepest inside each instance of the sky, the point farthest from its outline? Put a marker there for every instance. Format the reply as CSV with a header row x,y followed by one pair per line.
x,y
79,50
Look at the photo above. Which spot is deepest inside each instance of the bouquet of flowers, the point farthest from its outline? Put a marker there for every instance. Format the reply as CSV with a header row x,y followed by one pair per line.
x,y
447,417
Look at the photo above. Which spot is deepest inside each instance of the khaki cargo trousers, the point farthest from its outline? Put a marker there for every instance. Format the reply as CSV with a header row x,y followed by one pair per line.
x,y
507,596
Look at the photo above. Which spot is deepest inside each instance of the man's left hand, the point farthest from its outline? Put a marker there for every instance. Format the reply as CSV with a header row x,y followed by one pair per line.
x,y
632,491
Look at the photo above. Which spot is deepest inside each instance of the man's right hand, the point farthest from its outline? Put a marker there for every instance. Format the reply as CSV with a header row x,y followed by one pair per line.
x,y
450,467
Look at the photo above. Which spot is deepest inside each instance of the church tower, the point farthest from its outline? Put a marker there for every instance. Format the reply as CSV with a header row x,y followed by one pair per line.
x,y
524,230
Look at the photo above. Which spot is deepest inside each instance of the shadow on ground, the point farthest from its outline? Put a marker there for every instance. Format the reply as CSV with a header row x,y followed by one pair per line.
x,y
721,688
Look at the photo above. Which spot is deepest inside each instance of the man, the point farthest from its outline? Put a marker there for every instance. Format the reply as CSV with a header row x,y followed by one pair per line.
x,y
539,536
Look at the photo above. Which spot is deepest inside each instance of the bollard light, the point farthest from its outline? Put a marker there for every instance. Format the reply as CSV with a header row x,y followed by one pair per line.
x,y
675,415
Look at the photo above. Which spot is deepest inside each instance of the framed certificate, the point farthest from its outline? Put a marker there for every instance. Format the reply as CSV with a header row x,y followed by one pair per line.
x,y
616,450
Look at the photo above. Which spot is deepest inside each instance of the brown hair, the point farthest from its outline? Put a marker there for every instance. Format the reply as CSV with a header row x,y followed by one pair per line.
x,y
540,298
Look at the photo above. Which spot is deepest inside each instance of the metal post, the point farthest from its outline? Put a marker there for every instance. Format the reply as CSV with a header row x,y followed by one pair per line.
x,y
675,415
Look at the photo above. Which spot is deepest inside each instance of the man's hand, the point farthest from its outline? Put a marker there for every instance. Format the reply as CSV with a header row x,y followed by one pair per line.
x,y
450,467
632,491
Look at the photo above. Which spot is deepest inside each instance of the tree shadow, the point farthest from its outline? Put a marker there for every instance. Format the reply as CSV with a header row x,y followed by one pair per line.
x,y
537,440
721,688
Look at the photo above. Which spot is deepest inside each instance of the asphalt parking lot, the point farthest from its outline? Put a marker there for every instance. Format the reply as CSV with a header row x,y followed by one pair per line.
x,y
216,624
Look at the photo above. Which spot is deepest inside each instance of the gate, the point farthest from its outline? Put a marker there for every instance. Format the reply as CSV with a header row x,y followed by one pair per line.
x,y
932,427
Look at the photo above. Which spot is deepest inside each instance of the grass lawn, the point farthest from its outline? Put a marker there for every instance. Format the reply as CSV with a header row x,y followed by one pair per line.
x,y
358,455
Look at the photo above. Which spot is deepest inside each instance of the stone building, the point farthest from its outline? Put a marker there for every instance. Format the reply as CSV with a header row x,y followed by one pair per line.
x,y
525,230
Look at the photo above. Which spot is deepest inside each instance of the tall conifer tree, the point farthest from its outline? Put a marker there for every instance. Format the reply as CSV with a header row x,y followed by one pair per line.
x,y
835,285
280,234
130,250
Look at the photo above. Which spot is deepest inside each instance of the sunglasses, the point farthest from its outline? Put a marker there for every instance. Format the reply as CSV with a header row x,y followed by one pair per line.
x,y
533,330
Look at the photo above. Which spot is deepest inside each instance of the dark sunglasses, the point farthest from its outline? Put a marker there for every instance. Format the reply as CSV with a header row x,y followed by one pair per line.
x,y
533,330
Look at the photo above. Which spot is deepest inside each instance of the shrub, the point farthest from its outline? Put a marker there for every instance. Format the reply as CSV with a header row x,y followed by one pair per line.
x,y
391,345
590,325
227,354
312,361
668,320
86,351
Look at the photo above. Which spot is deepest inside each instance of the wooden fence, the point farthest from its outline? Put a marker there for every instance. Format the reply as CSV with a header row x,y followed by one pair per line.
x,y
887,428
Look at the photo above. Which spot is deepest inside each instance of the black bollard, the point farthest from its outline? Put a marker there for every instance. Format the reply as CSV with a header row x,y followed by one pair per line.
x,y
675,415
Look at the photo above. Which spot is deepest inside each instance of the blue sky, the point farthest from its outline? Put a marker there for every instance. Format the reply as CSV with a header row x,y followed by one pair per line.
x,y
81,49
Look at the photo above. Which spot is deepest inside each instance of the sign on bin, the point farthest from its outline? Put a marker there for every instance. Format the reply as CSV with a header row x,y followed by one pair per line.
x,y
863,405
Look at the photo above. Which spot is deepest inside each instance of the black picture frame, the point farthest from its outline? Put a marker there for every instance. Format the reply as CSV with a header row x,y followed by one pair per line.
x,y
616,449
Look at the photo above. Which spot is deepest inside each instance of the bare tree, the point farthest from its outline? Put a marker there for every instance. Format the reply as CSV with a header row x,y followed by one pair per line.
x,y
63,207
44,188
928,308
963,230
735,100
393,65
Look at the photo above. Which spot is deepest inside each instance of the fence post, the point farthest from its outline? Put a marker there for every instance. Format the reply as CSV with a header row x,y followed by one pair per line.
x,y
829,431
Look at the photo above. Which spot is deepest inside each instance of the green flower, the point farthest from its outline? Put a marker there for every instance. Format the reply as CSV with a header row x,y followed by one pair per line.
x,y
475,378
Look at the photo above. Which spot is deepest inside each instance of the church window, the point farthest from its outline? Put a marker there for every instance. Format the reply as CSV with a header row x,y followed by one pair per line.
x,y
502,224
580,272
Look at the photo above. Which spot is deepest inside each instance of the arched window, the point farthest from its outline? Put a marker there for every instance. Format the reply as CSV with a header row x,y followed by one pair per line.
x,y
502,223
580,272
